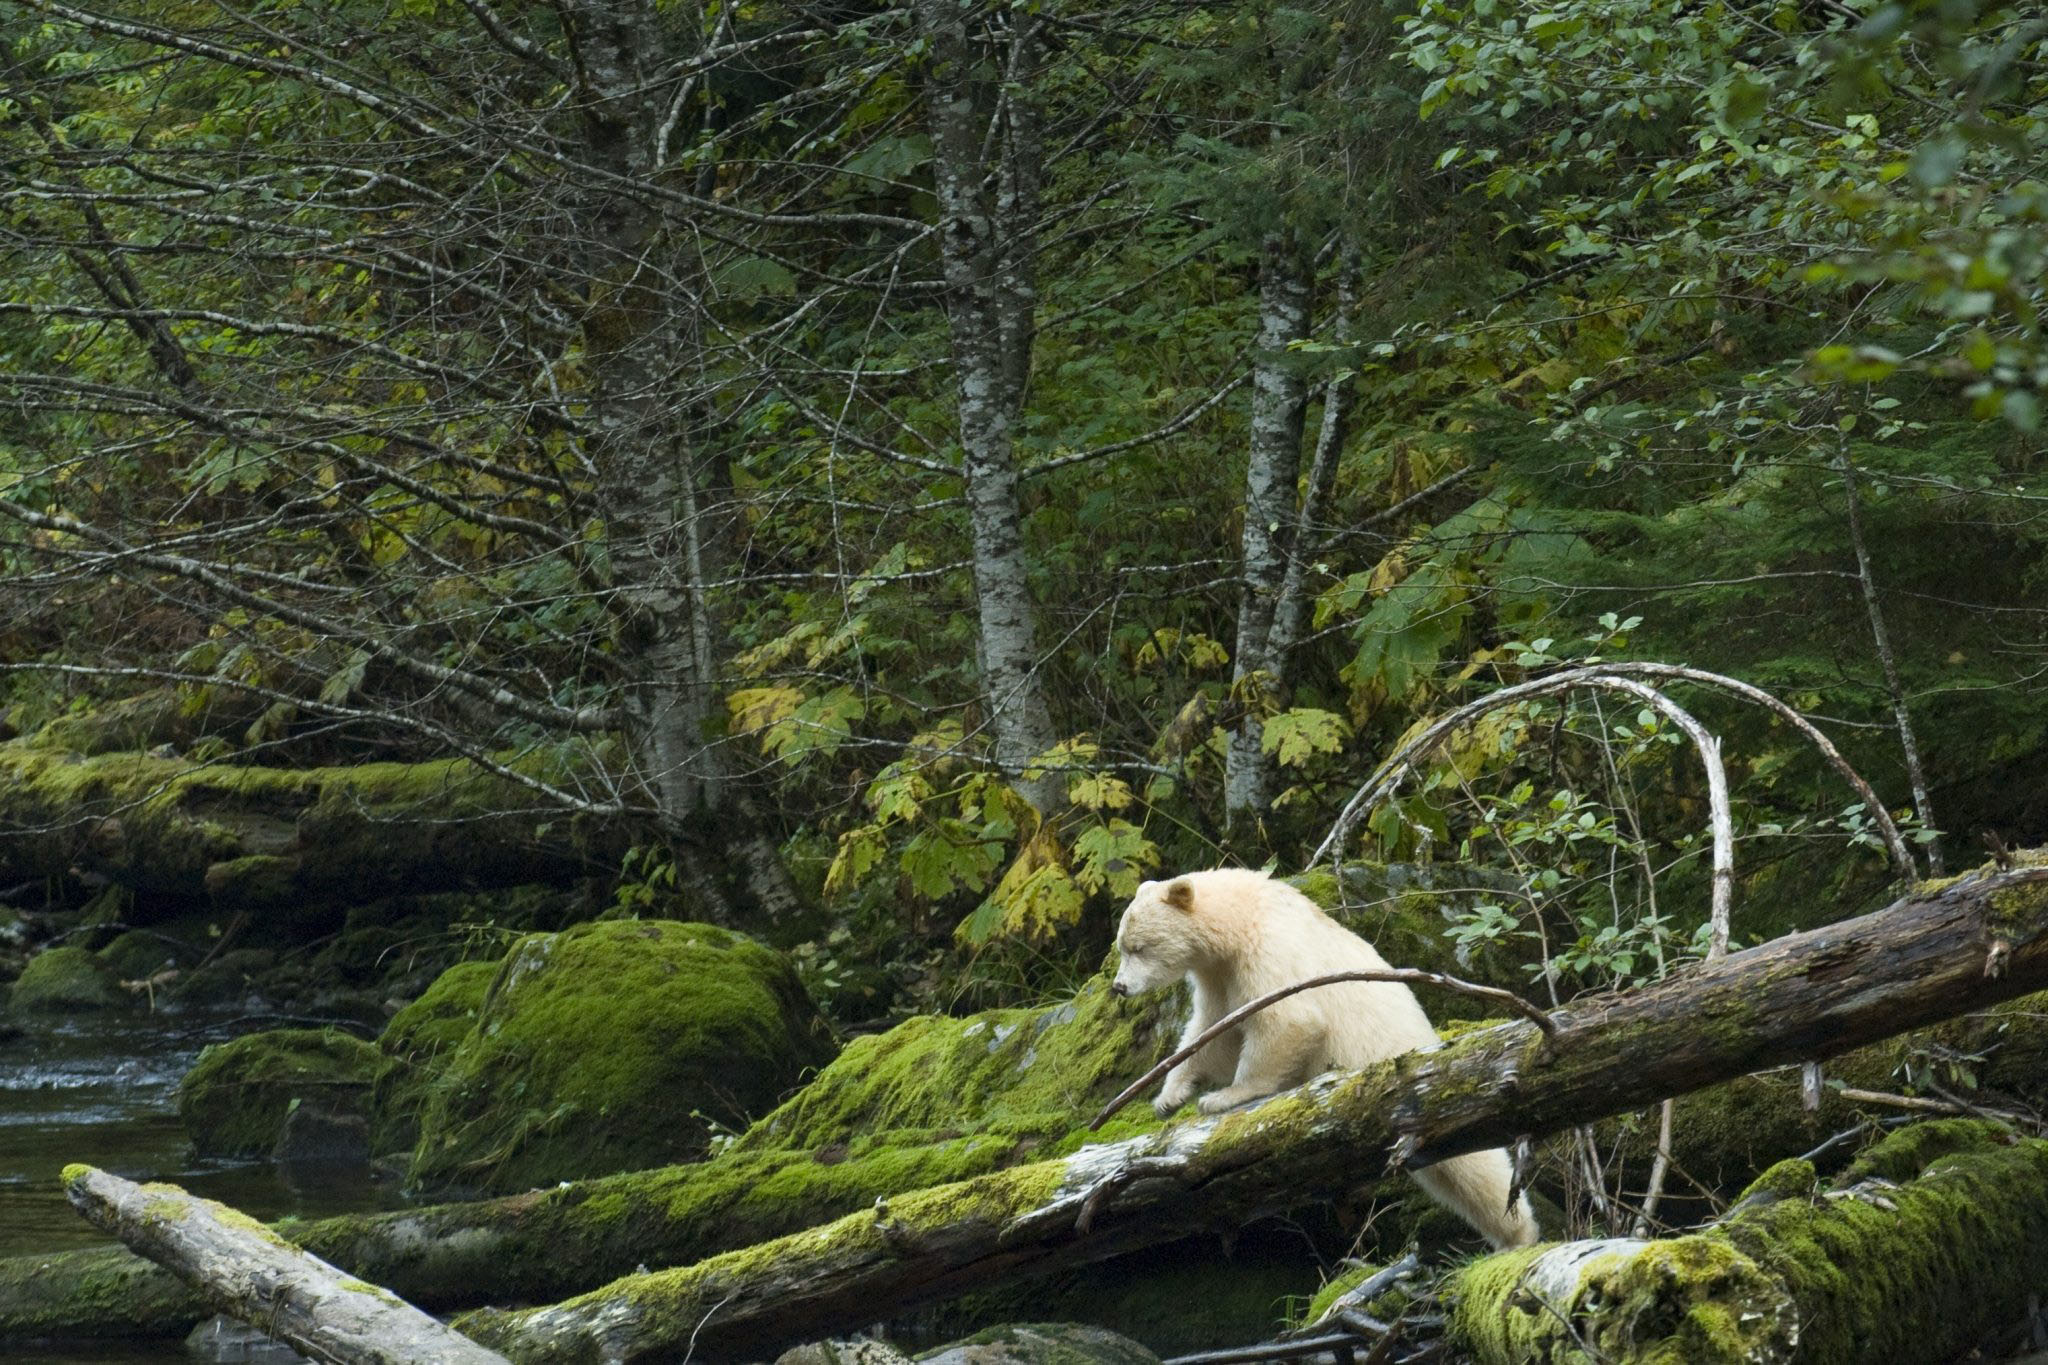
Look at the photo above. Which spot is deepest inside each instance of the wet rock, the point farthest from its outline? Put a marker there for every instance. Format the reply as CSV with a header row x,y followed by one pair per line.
x,y
60,980
315,1134
843,1351
236,1100
1042,1343
222,1340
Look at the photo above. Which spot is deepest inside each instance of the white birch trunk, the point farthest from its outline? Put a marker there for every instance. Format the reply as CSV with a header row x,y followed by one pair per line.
x,y
1271,521
987,245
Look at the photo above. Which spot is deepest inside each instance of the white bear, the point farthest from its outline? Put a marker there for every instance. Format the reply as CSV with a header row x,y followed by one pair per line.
x,y
1235,935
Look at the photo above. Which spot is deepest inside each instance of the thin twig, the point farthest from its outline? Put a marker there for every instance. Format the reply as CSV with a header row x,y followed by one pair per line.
x,y
1407,976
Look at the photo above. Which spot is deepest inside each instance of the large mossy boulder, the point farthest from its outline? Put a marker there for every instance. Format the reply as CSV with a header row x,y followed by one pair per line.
x,y
66,979
413,1044
615,1046
235,1101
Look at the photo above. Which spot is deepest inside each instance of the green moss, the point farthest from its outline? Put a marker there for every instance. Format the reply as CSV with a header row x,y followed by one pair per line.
x,y
235,1099
1792,1178
64,979
1035,1075
614,1046
1692,1301
1909,1272
413,1043
1908,1151
136,955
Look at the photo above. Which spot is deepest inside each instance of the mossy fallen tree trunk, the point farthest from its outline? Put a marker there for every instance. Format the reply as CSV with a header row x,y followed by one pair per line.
x,y
933,1101
250,1273
1937,953
265,839
1930,1244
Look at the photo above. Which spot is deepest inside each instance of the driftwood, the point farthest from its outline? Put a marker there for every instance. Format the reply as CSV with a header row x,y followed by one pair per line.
x,y
249,1272
1936,953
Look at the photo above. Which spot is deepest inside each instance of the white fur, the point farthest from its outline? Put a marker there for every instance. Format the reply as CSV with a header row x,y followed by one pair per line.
x,y
1235,935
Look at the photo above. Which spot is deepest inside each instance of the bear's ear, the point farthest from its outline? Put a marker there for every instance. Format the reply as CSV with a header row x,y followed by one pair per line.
x,y
1180,895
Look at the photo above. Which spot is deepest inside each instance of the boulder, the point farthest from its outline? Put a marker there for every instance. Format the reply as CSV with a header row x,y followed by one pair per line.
x,y
236,1100
614,1046
58,980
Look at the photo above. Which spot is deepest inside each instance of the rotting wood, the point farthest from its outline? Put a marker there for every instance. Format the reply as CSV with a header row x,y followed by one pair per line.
x,y
251,1273
1936,953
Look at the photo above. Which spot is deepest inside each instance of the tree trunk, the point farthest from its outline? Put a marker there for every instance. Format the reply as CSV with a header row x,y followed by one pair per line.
x,y
988,249
271,841
1271,527
1932,1242
641,332
1981,939
251,1273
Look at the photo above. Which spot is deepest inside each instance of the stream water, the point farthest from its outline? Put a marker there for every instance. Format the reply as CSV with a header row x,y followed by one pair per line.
x,y
102,1089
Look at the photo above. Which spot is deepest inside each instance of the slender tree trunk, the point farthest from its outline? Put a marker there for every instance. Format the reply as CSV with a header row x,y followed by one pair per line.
x,y
1902,717
987,245
636,329
1271,523
1290,614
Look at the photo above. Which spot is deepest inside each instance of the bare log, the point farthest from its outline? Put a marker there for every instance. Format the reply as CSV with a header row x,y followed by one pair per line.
x,y
251,1273
1934,954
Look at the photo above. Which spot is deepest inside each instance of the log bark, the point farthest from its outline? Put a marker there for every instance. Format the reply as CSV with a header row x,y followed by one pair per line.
x,y
1936,953
176,832
252,1274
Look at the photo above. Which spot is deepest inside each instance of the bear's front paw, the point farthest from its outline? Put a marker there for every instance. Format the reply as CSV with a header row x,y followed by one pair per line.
x,y
1216,1101
1171,1097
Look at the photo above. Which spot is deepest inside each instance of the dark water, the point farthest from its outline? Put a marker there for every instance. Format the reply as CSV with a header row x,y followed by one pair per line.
x,y
102,1090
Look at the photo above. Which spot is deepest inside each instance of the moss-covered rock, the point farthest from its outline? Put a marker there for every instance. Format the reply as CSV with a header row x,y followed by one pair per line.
x,y
615,1046
1034,1074
136,955
69,978
413,1044
235,1100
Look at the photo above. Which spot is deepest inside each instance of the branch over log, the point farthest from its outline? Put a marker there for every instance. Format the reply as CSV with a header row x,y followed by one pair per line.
x,y
250,1272
1937,953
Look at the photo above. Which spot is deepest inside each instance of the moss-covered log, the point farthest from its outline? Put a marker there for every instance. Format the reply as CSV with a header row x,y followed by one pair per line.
x,y
251,1273
267,839
933,1101
1936,953
1933,1241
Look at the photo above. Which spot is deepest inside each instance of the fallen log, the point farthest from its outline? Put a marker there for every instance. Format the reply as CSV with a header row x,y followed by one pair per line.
x,y
259,839
1938,952
1930,1244
250,1273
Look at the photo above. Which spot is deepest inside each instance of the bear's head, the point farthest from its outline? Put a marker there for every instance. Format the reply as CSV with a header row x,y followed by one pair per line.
x,y
1155,942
